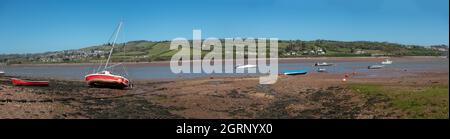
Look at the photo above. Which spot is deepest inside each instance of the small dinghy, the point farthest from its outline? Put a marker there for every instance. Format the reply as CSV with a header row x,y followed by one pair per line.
x,y
295,72
321,70
386,62
375,67
19,82
323,64
245,66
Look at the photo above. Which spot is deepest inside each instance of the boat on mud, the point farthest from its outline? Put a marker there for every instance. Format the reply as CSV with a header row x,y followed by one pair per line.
x,y
386,62
105,78
375,66
20,82
295,72
323,64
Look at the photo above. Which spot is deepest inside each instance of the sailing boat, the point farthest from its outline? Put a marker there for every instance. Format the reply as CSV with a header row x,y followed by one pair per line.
x,y
106,78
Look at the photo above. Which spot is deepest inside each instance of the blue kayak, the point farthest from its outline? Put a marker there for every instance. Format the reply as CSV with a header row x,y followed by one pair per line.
x,y
295,72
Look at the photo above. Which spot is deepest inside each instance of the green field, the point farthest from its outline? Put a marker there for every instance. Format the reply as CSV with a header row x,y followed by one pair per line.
x,y
146,51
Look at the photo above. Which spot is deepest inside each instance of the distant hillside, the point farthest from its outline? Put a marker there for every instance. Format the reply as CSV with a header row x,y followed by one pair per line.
x,y
146,51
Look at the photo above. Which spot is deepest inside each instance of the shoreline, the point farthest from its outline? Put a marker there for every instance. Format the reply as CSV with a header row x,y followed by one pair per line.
x,y
281,60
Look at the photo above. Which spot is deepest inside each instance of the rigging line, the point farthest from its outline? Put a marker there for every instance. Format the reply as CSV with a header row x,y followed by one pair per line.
x,y
113,44
100,66
112,35
124,53
108,44
111,67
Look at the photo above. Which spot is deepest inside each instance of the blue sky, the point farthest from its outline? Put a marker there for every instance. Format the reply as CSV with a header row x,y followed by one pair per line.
x,y
28,26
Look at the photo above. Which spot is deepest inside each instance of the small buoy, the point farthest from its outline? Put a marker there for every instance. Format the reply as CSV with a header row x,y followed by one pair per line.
x,y
344,79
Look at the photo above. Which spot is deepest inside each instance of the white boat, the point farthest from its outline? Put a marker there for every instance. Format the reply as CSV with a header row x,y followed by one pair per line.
x,y
321,70
386,62
375,67
323,64
245,66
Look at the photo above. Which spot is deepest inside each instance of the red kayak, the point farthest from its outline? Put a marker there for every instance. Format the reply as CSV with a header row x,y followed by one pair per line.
x,y
106,79
19,82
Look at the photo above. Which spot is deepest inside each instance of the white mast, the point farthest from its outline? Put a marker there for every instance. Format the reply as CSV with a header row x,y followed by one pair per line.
x,y
114,42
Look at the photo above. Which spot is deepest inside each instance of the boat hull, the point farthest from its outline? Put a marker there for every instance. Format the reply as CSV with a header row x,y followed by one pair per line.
x,y
375,67
19,82
295,72
246,66
110,81
323,64
321,70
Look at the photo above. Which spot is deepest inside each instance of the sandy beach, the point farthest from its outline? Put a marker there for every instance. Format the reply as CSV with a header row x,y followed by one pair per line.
x,y
311,96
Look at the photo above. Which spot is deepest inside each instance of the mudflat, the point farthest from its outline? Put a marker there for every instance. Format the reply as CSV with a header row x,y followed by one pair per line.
x,y
311,96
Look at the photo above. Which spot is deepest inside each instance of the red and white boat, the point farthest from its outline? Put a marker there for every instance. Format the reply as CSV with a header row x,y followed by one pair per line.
x,y
19,82
105,78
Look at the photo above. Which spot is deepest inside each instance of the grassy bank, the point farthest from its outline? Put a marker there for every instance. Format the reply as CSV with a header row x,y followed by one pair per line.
x,y
147,51
416,102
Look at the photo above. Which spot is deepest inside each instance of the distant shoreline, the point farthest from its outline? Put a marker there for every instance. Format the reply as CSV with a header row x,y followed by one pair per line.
x,y
281,60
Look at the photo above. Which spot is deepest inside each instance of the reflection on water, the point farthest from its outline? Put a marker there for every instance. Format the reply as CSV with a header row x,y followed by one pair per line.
x,y
141,72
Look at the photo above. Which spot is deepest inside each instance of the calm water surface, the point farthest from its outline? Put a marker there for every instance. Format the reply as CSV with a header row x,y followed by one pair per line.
x,y
146,72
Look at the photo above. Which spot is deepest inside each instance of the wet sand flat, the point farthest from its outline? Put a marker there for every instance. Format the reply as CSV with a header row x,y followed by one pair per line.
x,y
311,96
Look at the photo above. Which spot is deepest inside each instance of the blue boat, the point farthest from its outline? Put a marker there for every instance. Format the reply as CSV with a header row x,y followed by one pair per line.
x,y
295,72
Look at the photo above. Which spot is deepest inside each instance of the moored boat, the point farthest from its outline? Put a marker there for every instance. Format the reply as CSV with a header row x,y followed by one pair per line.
x,y
245,66
375,67
323,64
20,82
295,72
321,70
386,62
2,73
